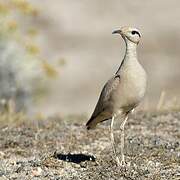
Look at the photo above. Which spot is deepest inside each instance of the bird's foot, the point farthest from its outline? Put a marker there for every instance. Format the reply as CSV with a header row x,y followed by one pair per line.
x,y
121,163
117,161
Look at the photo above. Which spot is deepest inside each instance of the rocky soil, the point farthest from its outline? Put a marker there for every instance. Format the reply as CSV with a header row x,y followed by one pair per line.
x,y
59,148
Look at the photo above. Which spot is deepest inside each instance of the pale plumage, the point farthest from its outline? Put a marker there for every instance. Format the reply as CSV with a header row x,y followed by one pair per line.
x,y
104,108
123,92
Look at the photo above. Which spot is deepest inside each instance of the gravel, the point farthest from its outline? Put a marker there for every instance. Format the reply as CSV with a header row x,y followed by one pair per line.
x,y
58,148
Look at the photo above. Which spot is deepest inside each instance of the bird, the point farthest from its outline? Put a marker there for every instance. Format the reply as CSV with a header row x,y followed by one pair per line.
x,y
123,92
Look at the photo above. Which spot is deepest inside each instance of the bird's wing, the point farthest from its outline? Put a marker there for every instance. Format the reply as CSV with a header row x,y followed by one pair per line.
x,y
101,111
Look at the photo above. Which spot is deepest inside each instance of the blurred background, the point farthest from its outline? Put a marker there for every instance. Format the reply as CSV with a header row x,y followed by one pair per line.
x,y
55,56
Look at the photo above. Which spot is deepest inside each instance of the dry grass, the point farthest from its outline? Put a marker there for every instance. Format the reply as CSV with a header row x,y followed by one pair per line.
x,y
57,148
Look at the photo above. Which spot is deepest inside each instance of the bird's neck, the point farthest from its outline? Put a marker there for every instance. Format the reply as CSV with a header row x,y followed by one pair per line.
x,y
130,54
131,50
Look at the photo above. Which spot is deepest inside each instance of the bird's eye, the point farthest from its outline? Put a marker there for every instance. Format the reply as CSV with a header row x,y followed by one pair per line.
x,y
135,32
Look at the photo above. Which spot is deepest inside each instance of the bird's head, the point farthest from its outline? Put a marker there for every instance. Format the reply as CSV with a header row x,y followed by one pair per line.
x,y
129,33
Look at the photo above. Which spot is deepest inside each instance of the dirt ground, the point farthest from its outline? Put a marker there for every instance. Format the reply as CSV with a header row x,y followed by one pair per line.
x,y
59,148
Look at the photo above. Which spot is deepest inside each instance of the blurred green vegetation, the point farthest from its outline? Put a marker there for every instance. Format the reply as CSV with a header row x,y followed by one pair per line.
x,y
25,74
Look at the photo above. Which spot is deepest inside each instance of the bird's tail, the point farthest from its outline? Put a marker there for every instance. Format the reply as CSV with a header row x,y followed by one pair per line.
x,y
91,124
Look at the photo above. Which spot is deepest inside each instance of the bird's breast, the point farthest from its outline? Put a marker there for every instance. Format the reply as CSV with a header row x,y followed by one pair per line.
x,y
132,86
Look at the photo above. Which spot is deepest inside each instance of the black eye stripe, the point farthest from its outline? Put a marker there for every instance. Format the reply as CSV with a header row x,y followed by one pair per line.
x,y
136,32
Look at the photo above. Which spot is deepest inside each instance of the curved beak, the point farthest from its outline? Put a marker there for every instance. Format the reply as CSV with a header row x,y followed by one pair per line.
x,y
117,32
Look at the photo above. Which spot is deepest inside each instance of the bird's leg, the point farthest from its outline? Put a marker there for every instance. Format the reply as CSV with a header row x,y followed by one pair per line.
x,y
122,141
112,141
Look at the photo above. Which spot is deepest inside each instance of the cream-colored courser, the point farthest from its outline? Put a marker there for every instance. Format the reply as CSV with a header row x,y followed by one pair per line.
x,y
123,91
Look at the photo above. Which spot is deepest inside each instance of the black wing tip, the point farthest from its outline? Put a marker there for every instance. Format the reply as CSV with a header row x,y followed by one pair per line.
x,y
88,126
